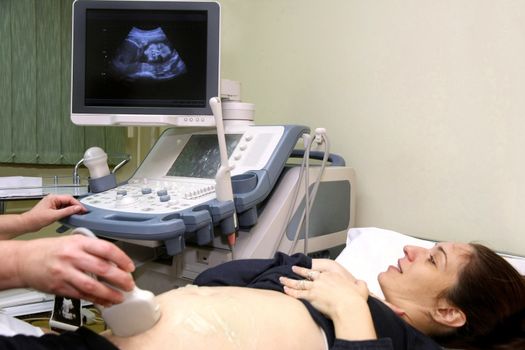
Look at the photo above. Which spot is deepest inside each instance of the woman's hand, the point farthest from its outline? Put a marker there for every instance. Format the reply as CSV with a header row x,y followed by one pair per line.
x,y
327,286
333,290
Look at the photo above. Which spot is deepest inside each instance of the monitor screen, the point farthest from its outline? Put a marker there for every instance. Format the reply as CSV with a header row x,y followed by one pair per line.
x,y
143,62
200,157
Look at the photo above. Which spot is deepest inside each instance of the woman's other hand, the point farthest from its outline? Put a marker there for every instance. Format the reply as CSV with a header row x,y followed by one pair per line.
x,y
333,290
328,289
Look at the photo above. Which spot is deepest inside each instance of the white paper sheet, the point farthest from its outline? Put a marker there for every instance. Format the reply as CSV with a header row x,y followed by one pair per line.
x,y
20,186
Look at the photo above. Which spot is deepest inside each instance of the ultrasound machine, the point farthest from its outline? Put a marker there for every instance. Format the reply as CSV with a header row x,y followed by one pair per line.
x,y
209,190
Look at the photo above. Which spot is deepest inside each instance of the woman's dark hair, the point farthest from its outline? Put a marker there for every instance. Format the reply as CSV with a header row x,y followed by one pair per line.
x,y
491,293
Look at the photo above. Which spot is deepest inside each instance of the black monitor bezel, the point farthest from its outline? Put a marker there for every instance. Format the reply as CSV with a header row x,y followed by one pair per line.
x,y
80,8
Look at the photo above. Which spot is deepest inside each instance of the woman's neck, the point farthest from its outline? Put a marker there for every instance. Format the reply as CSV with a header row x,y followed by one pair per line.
x,y
415,315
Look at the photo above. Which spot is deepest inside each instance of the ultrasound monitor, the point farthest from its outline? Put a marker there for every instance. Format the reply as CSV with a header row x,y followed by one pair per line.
x,y
144,62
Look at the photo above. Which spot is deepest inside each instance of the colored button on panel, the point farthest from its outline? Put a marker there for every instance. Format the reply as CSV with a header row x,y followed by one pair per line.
x,y
164,198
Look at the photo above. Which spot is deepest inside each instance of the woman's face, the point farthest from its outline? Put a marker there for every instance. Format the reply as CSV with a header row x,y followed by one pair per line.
x,y
422,274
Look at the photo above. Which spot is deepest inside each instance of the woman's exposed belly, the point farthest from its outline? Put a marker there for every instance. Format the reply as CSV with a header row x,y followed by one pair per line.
x,y
228,318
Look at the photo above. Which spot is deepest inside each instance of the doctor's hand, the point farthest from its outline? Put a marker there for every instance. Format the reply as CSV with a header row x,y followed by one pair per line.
x,y
333,290
60,266
50,209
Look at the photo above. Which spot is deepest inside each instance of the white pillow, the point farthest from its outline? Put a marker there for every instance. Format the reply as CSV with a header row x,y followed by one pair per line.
x,y
517,261
371,250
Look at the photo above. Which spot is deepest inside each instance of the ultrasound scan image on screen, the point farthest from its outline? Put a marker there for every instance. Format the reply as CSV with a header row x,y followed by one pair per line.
x,y
200,157
145,58
147,55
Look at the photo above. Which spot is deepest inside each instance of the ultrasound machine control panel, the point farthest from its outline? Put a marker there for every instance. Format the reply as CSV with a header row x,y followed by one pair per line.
x,y
171,196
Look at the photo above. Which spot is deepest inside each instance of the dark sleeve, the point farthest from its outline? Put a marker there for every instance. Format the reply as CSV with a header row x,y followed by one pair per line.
x,y
254,273
81,339
390,326
379,344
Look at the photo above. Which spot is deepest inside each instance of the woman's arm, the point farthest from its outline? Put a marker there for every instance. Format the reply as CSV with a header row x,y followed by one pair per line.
x,y
335,292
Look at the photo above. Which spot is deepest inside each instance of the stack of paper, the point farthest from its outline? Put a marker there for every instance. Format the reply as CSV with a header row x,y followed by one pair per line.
x,y
20,186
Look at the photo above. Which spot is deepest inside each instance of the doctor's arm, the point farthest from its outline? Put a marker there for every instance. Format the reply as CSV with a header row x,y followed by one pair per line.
x,y
59,265
48,210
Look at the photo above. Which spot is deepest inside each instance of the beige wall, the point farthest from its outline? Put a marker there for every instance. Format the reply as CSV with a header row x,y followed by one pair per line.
x,y
423,98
